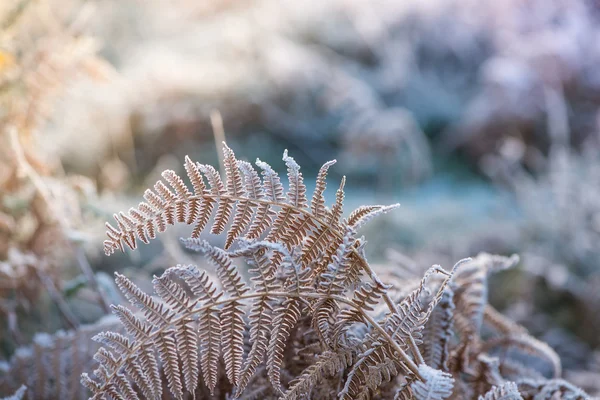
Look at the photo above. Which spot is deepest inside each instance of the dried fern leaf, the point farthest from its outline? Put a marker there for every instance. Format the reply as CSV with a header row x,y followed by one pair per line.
x,y
372,367
438,332
273,193
436,384
411,318
506,391
338,207
210,341
549,389
261,313
261,319
404,392
219,193
186,334
167,328
284,320
472,291
167,350
333,282
296,197
156,313
209,324
319,244
364,214
51,365
383,370
317,204
232,314
328,363
364,299
309,258
357,376
260,208
297,190
501,324
529,345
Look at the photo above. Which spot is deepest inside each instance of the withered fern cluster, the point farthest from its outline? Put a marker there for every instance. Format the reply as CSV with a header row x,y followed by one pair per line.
x,y
50,367
295,310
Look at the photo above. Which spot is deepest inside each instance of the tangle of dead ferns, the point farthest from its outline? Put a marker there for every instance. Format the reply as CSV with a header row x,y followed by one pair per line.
x,y
308,317
295,310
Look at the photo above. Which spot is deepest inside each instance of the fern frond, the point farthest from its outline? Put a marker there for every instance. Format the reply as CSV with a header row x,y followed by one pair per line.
x,y
317,204
528,345
381,369
438,332
261,313
357,376
134,326
198,282
156,313
181,192
472,291
501,324
333,280
167,350
338,207
273,194
436,384
169,329
232,329
261,319
365,214
209,326
144,372
364,299
186,336
228,274
285,319
328,363
362,212
218,192
304,261
411,318
404,392
290,216
262,269
260,209
373,366
550,388
237,189
506,391
297,191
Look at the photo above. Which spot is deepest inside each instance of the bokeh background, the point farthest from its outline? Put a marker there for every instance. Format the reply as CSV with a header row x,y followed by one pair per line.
x,y
480,118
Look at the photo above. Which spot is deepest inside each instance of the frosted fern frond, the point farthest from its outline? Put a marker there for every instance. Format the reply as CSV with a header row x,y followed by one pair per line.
x,y
18,395
436,384
328,363
506,391
245,207
306,316
438,332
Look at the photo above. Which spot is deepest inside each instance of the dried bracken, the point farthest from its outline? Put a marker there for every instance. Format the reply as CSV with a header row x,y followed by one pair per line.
x,y
357,342
50,367
40,208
